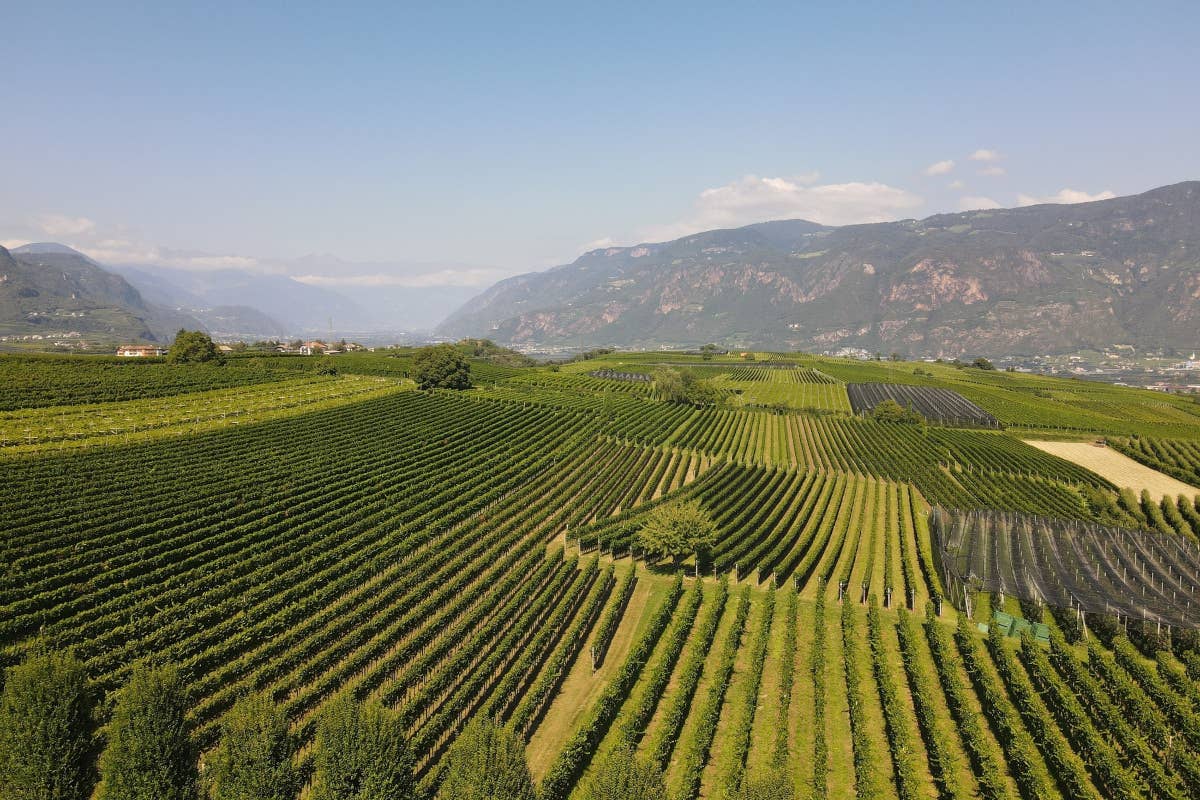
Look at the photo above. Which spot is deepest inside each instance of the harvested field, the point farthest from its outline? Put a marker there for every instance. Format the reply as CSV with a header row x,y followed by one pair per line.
x,y
1121,470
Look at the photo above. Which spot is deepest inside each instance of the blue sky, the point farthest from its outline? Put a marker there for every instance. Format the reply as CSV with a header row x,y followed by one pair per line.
x,y
514,136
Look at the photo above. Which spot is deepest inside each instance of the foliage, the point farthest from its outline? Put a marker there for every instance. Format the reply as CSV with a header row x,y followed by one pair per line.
x,y
983,363
685,387
891,411
621,775
150,755
193,347
677,530
487,762
326,366
254,758
46,728
361,754
441,367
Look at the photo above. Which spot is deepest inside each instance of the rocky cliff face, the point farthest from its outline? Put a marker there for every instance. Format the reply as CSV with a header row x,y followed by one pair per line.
x,y
1042,279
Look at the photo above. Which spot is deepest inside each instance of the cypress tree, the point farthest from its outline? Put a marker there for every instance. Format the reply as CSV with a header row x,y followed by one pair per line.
x,y
46,730
621,775
150,755
254,758
487,762
361,754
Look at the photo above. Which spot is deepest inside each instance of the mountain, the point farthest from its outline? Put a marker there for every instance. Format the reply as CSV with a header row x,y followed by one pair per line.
x,y
1038,279
53,291
276,304
395,295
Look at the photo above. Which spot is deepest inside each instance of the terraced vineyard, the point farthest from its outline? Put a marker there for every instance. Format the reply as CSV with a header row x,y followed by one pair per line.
x,y
477,554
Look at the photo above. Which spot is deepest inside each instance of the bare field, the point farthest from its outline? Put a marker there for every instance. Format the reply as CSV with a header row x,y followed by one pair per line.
x,y
1118,468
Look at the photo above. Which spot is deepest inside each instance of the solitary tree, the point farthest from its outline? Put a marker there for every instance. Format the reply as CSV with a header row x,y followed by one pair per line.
x,y
676,531
149,754
193,347
441,367
622,775
361,754
982,363
891,411
46,729
254,758
684,387
487,762
706,352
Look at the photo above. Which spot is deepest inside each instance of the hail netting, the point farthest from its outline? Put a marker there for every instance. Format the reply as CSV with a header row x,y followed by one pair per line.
x,y
1069,564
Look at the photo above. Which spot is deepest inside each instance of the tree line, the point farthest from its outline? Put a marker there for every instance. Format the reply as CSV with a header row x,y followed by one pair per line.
x,y
53,746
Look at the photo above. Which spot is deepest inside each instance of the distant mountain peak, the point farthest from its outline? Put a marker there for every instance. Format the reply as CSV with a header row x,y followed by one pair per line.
x,y
50,248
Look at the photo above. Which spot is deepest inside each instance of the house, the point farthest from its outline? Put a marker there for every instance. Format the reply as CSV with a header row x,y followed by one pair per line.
x,y
312,348
140,350
224,348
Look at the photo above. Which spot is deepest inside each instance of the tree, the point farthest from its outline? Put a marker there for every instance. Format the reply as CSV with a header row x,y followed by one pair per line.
x,y
982,363
46,730
677,530
487,762
621,775
254,758
193,347
706,352
891,411
684,387
441,367
361,754
149,755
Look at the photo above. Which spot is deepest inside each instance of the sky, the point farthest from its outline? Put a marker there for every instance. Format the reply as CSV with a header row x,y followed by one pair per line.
x,y
455,143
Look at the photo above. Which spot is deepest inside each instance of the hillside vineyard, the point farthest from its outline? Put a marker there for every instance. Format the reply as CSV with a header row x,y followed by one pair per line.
x,y
887,609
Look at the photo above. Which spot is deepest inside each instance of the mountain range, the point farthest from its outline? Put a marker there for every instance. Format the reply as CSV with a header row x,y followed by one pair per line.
x,y
51,291
1038,279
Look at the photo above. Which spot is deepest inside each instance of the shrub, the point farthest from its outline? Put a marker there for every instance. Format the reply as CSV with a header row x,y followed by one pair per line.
x,y
254,758
361,754
150,755
487,762
46,730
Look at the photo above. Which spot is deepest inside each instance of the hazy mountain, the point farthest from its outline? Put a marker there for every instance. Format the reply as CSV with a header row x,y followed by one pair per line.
x,y
395,295
51,290
277,302
1046,278
222,321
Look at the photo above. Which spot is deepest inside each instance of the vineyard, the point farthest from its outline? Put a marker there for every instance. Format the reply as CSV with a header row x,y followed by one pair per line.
x,y
1179,459
463,555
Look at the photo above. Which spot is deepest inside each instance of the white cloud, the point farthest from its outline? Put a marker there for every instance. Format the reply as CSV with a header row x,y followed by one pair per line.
x,y
1065,196
449,276
598,244
956,184
9,244
992,172
755,199
976,203
940,168
985,155
60,225
131,253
